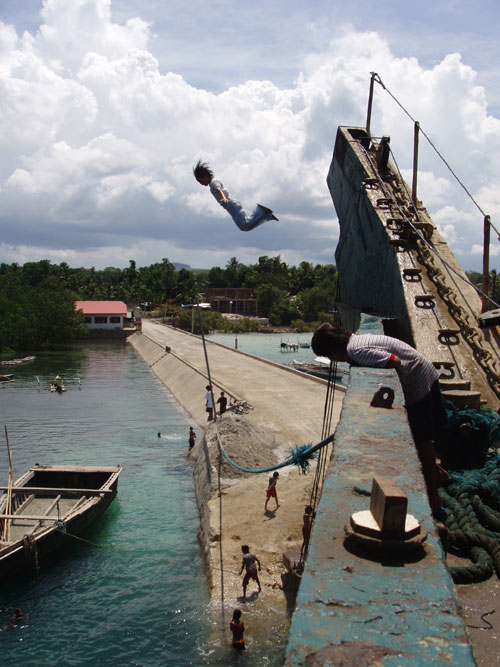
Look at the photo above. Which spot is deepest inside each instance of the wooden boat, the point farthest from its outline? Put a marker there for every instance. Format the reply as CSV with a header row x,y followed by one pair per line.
x,y
14,362
58,385
48,505
320,368
6,377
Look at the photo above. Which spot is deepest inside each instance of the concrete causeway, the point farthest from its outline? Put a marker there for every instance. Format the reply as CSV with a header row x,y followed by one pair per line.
x,y
288,402
352,608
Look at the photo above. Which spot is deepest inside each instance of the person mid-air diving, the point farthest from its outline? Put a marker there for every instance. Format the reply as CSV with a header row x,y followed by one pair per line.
x,y
204,175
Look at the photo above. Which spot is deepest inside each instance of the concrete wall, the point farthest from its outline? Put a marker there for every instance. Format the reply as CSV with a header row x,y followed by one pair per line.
x,y
104,325
180,377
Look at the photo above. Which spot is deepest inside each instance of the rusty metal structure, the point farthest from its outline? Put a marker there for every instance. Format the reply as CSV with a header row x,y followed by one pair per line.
x,y
394,263
387,606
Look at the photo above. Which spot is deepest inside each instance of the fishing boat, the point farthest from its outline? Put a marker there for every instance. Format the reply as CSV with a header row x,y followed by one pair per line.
x,y
58,385
6,377
14,362
320,368
47,507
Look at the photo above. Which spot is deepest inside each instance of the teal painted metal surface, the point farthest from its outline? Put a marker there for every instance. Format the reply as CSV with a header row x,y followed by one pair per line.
x,y
361,609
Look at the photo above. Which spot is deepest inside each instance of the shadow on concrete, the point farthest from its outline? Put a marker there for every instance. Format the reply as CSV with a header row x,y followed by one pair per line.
x,y
249,598
290,582
390,555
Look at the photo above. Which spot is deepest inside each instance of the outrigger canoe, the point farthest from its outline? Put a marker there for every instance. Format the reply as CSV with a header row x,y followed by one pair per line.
x,y
48,505
6,377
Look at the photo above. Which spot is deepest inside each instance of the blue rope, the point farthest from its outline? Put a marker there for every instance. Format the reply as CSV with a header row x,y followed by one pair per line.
x,y
300,456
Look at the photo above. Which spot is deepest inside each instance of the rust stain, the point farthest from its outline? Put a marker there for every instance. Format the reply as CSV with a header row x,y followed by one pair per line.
x,y
350,654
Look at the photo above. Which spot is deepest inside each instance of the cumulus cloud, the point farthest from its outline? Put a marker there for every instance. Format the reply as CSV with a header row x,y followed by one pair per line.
x,y
98,144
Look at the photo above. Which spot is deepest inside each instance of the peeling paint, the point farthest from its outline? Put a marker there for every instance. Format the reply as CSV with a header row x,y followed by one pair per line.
x,y
362,608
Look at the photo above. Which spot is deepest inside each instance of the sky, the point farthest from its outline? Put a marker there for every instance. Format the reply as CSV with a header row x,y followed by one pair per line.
x,y
106,105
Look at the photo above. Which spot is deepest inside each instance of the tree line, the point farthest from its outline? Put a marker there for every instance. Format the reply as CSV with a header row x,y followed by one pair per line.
x,y
37,298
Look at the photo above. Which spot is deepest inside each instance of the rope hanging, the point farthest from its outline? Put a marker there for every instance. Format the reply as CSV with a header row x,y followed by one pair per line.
x,y
299,456
319,477
379,81
431,248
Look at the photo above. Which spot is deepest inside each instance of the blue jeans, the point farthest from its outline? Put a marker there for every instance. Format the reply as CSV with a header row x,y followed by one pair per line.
x,y
244,222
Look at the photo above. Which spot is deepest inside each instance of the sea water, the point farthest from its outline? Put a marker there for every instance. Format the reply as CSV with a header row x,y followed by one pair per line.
x,y
268,346
133,593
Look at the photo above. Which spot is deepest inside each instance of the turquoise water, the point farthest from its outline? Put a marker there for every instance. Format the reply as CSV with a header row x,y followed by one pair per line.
x,y
141,597
267,346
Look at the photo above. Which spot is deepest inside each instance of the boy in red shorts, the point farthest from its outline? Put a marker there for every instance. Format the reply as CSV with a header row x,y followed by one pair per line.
x,y
271,490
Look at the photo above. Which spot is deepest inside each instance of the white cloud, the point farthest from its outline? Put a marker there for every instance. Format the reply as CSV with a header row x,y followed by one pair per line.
x,y
98,144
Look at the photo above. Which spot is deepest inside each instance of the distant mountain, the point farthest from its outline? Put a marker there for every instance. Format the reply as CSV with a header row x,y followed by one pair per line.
x,y
179,266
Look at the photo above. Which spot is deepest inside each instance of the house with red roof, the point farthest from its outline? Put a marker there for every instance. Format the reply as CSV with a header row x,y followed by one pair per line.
x,y
107,315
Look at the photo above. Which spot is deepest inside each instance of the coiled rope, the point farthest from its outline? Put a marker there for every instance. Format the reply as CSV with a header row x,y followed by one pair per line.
x,y
472,496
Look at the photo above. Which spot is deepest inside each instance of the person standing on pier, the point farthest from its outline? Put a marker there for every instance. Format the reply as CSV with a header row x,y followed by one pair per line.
x,y
419,381
209,403
222,401
248,563
204,175
271,490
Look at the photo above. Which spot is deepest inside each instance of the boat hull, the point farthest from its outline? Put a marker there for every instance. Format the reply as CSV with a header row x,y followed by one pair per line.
x,y
47,537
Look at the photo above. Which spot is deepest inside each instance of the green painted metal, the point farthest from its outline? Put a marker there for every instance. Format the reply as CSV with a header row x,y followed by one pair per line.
x,y
356,607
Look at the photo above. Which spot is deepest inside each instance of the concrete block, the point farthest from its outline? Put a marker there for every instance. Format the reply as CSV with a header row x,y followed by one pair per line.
x,y
388,506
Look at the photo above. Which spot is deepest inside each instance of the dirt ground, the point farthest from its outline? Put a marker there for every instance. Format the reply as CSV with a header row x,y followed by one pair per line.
x,y
268,533
481,608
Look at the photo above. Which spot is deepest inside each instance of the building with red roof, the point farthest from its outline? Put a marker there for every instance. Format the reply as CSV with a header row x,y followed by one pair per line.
x,y
103,314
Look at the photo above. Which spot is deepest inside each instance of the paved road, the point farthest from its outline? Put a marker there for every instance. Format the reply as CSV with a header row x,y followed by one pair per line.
x,y
288,402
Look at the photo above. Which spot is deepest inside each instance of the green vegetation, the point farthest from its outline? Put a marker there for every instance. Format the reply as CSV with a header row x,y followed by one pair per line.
x,y
36,312
494,284
37,299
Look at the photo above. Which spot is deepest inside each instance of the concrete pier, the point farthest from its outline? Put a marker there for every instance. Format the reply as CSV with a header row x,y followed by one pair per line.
x,y
287,411
288,402
351,608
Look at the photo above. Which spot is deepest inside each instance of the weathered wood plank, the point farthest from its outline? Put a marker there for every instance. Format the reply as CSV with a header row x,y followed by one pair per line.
x,y
45,490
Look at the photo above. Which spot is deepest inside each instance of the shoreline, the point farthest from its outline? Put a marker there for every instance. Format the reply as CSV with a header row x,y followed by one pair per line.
x,y
288,411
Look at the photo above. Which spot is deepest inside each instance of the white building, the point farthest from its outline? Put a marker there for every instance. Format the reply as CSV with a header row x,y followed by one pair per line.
x,y
103,314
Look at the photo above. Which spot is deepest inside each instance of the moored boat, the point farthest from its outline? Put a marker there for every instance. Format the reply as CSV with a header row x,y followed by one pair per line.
x,y
320,368
46,507
6,377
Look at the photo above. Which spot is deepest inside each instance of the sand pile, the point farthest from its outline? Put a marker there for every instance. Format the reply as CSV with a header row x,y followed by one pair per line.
x,y
247,443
